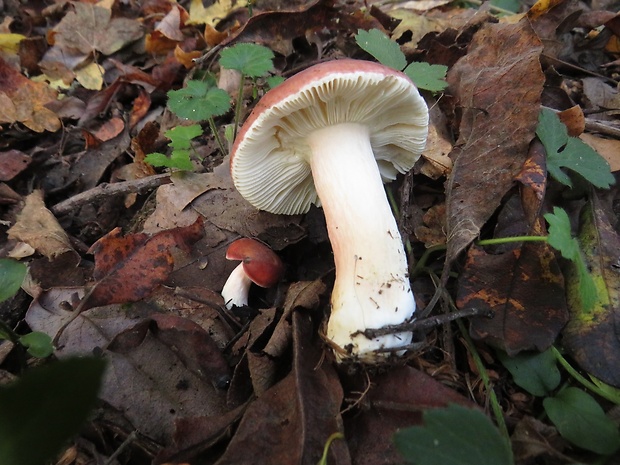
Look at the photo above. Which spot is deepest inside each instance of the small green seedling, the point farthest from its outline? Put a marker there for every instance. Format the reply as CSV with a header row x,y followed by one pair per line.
x,y
387,52
202,100
181,144
250,60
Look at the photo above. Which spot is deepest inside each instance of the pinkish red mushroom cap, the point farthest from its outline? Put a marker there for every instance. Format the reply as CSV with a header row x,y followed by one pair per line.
x,y
261,264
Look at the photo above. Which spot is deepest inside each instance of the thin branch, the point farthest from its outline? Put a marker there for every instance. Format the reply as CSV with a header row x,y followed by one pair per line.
x,y
105,190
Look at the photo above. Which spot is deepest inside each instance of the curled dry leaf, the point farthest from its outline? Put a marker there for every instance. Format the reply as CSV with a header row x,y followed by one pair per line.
x,y
295,416
38,227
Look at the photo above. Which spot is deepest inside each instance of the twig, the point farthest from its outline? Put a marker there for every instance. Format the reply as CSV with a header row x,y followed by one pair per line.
x,y
602,128
427,323
105,190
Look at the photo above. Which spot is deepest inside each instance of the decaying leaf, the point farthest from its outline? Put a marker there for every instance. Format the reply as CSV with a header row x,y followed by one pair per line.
x,y
497,87
591,337
128,268
38,227
297,415
393,400
88,28
24,100
525,290
146,381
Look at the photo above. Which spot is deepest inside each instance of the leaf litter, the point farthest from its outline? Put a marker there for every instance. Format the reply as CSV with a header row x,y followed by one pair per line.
x,y
135,278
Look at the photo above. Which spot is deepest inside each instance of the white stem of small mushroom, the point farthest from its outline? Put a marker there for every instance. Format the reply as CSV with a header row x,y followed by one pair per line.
x,y
372,288
236,288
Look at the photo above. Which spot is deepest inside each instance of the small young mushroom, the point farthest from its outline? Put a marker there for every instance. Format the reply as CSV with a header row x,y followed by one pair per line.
x,y
332,135
259,265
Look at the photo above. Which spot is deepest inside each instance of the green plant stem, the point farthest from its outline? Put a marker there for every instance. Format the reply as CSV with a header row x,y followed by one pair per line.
x,y
421,263
497,409
581,379
511,239
328,443
238,105
218,140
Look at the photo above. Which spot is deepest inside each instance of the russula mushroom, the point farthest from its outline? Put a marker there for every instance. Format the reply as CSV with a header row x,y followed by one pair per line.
x,y
332,135
259,265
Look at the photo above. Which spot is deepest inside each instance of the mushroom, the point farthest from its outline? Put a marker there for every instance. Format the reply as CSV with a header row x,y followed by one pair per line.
x,y
332,135
259,265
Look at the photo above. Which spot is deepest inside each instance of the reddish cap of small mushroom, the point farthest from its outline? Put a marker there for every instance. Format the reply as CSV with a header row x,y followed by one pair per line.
x,y
261,264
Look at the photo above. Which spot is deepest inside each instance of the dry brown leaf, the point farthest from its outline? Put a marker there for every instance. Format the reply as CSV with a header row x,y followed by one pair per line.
x,y
89,27
147,384
38,227
497,87
23,100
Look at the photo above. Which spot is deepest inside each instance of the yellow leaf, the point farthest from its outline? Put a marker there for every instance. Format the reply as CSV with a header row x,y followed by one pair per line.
x,y
10,42
90,76
541,7
210,15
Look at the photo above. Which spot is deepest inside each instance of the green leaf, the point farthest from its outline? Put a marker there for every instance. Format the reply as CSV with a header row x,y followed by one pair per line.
x,y
38,344
560,235
274,81
454,435
380,46
41,411
537,373
510,5
199,100
181,136
582,421
252,60
428,77
179,159
561,239
570,152
12,274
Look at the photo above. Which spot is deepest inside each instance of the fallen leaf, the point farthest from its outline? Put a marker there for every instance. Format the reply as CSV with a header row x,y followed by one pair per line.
x,y
87,28
188,340
38,227
211,15
297,415
12,162
23,101
525,290
395,399
222,205
609,149
497,87
128,268
90,76
148,384
591,337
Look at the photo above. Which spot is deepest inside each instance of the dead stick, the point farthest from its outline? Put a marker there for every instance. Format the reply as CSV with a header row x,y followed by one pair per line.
x,y
106,190
427,323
